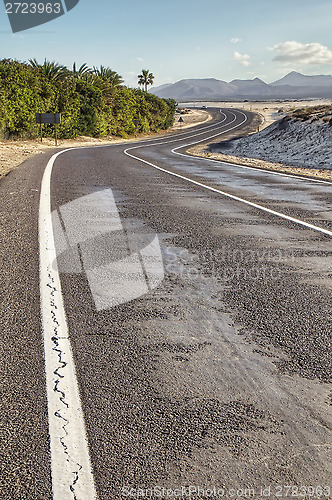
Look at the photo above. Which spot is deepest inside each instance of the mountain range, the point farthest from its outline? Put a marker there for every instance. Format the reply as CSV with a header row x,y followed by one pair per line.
x,y
292,86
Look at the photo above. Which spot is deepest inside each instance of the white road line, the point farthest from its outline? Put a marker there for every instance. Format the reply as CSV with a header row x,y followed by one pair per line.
x,y
269,172
71,469
72,476
181,134
228,195
195,135
282,174
257,169
215,135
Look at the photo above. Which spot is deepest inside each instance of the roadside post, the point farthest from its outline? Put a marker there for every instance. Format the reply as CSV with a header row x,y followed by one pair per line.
x,y
41,128
51,118
181,120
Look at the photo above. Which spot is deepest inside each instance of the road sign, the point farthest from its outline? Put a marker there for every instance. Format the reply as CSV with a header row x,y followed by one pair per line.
x,y
181,120
51,118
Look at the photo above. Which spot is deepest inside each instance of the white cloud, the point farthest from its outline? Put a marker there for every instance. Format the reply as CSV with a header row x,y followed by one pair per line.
x,y
130,78
302,53
139,59
242,58
235,40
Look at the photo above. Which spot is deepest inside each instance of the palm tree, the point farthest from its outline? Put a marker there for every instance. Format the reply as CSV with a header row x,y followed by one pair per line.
x,y
51,70
82,72
145,79
108,75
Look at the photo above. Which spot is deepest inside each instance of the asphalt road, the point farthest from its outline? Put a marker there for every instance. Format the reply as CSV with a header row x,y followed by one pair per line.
x,y
191,331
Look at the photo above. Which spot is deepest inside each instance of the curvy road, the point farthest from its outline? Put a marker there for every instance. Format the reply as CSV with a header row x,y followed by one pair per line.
x,y
165,325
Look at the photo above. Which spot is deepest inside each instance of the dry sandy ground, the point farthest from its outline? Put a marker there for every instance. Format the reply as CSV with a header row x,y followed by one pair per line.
x,y
13,153
265,165
270,112
190,119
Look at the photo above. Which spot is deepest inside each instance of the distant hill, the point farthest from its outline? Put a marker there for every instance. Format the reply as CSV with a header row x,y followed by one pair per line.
x,y
195,88
252,87
161,87
298,80
294,85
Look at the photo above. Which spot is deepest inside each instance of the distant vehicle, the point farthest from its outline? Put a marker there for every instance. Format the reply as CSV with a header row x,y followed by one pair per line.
x,y
203,107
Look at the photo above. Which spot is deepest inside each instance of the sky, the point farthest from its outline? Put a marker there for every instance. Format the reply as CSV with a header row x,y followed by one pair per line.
x,y
177,39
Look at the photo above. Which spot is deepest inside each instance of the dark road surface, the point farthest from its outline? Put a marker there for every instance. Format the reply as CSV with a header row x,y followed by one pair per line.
x,y
198,308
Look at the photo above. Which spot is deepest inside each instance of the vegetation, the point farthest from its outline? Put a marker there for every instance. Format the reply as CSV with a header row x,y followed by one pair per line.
x,y
322,112
52,71
92,102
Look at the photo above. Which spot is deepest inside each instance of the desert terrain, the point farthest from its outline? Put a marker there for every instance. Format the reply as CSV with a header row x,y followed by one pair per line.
x,y
15,152
303,149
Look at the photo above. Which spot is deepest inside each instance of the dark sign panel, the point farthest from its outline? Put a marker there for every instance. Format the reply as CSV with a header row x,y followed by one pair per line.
x,y
53,118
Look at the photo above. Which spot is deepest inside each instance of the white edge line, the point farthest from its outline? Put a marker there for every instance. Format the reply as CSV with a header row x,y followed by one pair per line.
x,y
52,301
257,169
233,197
70,461
282,174
271,172
195,135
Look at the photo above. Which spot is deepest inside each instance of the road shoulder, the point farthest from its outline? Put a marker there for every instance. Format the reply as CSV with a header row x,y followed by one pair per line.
x,y
202,151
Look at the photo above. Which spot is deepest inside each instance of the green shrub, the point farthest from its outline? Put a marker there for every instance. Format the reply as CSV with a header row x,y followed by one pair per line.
x,y
88,106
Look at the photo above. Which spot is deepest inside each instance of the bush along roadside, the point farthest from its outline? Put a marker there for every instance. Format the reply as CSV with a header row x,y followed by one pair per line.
x,y
92,103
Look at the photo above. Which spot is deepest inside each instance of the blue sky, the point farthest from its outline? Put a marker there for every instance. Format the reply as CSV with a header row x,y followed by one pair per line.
x,y
178,39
